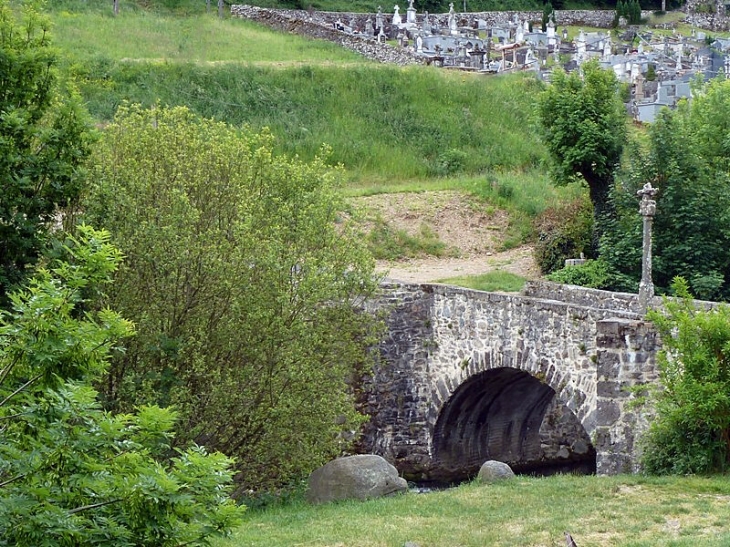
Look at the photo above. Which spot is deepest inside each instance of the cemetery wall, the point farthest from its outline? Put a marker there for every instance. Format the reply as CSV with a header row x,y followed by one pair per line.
x,y
299,22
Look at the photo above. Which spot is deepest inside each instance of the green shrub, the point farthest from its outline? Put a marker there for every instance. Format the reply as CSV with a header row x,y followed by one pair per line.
x,y
70,472
563,232
595,274
691,431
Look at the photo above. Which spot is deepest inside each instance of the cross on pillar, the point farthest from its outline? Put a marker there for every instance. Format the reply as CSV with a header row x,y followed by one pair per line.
x,y
647,208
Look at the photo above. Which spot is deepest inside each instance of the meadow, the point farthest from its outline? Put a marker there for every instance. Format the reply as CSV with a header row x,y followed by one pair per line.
x,y
626,511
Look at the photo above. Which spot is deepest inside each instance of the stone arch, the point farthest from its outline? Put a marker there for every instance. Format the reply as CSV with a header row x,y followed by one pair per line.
x,y
507,414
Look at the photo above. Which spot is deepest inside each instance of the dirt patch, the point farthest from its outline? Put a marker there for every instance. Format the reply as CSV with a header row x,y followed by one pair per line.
x,y
472,231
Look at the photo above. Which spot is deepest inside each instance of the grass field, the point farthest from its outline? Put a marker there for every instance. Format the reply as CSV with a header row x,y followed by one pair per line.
x,y
627,511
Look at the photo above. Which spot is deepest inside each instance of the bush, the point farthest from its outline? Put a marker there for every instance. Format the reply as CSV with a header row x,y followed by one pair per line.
x,y
245,292
691,432
71,473
563,232
594,274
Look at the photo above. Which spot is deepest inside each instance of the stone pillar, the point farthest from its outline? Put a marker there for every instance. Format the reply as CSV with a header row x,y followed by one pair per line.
x,y
625,354
647,210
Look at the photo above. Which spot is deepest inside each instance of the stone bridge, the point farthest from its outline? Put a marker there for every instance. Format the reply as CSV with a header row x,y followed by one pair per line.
x,y
537,380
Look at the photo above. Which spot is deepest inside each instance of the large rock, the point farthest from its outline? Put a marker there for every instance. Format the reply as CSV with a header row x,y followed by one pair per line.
x,y
492,471
354,477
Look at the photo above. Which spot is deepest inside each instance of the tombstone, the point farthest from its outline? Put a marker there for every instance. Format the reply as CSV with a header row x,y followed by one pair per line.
x,y
580,46
419,44
369,27
635,72
679,58
481,24
520,36
379,19
607,48
530,58
551,33
452,19
526,26
565,34
411,13
426,24
353,24
396,16
639,92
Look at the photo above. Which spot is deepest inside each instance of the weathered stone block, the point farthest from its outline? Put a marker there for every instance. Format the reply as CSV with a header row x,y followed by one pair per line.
x,y
607,412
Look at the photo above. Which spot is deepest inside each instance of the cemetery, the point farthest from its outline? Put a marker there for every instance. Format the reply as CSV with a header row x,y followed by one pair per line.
x,y
657,63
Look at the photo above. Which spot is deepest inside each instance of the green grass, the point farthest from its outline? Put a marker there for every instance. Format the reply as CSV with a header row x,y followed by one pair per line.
x,y
598,511
386,243
380,122
497,281
202,38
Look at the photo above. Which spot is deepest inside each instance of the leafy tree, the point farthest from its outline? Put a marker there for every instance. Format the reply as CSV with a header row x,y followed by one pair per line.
x,y
43,142
691,431
547,11
244,290
687,157
70,473
563,232
584,128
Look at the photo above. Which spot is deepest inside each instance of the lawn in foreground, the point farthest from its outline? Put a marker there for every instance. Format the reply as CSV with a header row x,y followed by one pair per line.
x,y
598,511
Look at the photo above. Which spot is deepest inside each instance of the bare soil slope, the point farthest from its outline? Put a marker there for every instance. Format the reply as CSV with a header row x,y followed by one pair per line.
x,y
472,232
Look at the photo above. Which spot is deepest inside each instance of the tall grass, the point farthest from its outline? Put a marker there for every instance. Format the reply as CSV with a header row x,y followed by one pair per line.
x,y
149,36
380,121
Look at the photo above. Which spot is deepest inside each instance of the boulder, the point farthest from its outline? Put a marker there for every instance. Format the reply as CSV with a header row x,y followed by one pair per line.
x,y
492,471
359,477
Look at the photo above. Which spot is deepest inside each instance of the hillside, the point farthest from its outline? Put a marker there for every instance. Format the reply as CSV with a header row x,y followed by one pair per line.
x,y
393,130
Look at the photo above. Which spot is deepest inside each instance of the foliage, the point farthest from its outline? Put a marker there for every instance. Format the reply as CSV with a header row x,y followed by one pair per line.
x,y
44,138
388,244
563,232
630,10
244,290
691,432
547,12
687,158
584,128
595,274
70,473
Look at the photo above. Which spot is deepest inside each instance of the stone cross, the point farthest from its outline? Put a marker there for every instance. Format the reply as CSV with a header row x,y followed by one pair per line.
x,y
647,208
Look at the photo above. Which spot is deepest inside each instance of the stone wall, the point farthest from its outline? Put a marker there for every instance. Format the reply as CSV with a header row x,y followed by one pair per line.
x,y
582,296
707,14
441,338
625,359
317,26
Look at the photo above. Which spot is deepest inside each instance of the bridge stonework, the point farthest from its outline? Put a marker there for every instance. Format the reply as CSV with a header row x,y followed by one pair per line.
x,y
536,380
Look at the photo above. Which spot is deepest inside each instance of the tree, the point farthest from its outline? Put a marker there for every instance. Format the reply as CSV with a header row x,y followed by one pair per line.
x,y
244,289
44,140
547,11
691,431
687,157
70,473
584,128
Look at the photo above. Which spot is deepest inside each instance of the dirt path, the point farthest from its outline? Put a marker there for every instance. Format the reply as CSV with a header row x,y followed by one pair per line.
x,y
472,232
